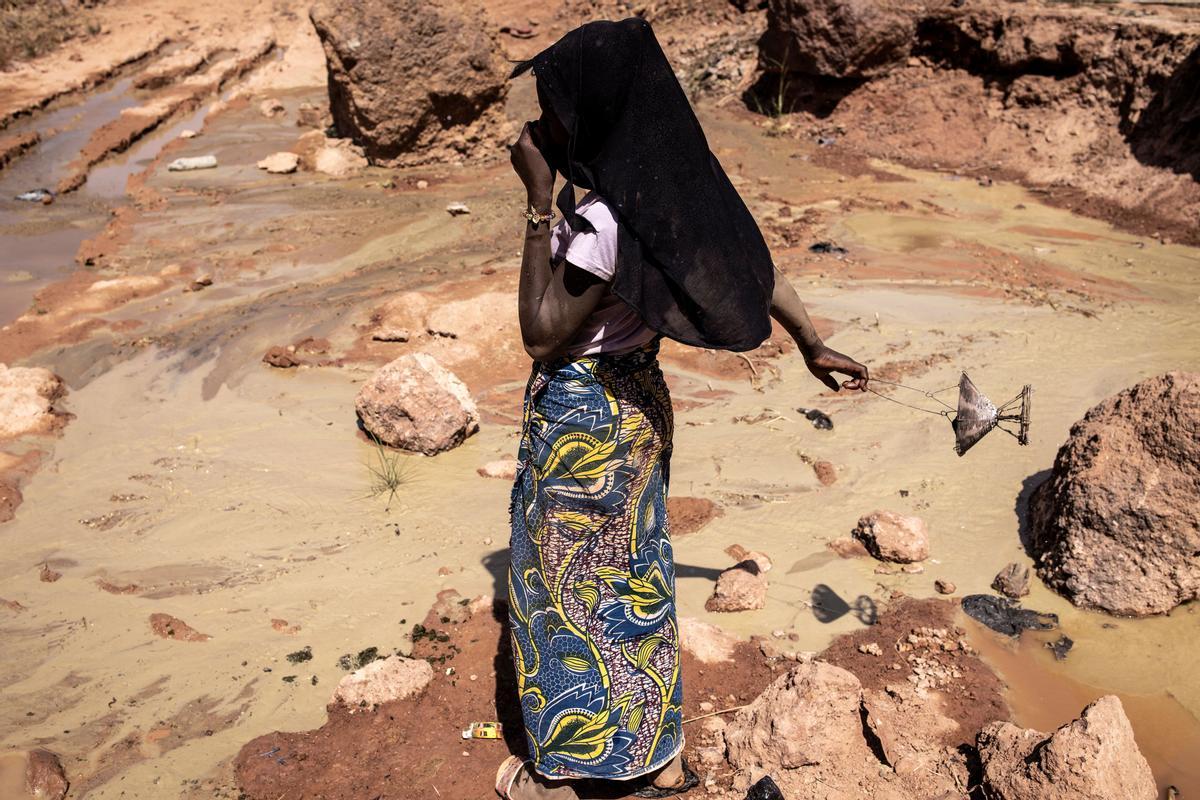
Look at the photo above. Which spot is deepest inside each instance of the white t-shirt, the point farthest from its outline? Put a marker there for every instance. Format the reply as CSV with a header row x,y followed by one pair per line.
x,y
613,327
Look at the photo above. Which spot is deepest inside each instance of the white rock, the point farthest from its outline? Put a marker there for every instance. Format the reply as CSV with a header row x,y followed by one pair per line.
x,y
280,163
194,162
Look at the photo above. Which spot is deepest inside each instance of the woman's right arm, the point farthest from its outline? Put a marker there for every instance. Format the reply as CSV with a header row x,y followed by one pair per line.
x,y
789,311
551,304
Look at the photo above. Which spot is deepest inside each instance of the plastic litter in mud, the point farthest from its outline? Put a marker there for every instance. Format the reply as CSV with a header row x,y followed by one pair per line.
x,y
976,415
1006,616
819,419
194,162
483,730
827,247
765,789
44,196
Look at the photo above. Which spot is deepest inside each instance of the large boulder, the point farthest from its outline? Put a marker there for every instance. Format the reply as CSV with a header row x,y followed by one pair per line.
x,y
812,715
416,404
816,728
411,81
894,537
1117,525
837,38
1094,757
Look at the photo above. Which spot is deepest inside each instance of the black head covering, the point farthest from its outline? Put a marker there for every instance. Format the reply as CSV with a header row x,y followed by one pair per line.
x,y
691,259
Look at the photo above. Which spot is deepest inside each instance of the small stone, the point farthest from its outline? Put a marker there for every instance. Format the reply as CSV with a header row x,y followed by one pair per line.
x,y
742,587
944,586
271,107
505,468
1013,580
391,335
384,680
279,357
48,575
457,209
422,184
871,649
280,163
188,133
706,707
825,472
894,537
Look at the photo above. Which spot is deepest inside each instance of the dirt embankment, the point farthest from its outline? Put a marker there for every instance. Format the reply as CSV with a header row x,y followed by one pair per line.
x,y
1097,107
415,743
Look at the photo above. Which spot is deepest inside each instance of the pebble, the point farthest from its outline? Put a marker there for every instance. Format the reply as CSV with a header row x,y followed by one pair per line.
x,y
944,586
456,209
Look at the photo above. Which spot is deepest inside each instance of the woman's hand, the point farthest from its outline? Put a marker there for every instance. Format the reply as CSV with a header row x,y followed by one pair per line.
x,y
822,361
529,163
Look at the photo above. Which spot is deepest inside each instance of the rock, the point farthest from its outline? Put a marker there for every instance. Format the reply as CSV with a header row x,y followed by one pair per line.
x,y
689,514
871,649
47,575
1012,581
1006,616
411,81
310,116
170,627
383,681
708,643
391,335
944,586
847,547
339,159
1117,525
808,717
1094,757
281,357
450,608
34,774
825,471
894,537
457,209
200,282
280,163
27,398
194,162
739,554
188,133
422,184
414,403
505,468
837,38
742,587
271,107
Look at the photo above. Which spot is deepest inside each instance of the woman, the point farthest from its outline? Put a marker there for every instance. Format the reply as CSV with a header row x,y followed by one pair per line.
x,y
661,244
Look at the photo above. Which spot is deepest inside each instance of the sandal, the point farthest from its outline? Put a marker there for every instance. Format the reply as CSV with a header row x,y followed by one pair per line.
x,y
690,781
507,774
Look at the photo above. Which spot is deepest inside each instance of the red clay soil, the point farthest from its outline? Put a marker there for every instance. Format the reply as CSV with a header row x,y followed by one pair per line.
x,y
413,748
972,701
690,514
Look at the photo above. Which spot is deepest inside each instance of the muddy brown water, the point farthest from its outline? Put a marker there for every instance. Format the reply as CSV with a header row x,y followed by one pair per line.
x,y
230,494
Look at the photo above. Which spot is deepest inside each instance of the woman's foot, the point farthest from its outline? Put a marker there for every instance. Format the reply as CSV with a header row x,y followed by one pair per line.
x,y
528,785
671,776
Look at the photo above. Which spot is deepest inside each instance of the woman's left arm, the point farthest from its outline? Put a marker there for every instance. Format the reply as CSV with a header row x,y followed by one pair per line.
x,y
787,308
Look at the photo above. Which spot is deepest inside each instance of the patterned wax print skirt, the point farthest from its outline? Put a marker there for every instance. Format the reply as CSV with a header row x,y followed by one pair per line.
x,y
592,580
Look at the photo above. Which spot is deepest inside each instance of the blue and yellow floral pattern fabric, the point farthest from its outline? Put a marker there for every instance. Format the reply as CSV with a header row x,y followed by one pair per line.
x,y
592,579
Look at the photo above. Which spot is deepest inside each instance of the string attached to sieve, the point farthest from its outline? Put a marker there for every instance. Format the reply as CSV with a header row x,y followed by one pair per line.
x,y
975,416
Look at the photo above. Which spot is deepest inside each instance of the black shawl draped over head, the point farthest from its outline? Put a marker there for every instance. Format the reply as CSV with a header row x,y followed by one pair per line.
x,y
691,260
